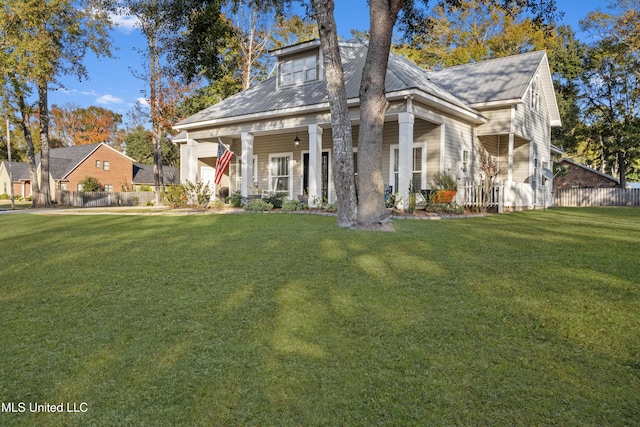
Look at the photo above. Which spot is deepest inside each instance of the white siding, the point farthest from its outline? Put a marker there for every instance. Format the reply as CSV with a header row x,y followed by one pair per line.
x,y
499,122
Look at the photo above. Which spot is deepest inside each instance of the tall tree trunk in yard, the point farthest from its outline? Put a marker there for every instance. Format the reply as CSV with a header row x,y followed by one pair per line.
x,y
42,199
622,168
373,106
156,133
28,137
343,173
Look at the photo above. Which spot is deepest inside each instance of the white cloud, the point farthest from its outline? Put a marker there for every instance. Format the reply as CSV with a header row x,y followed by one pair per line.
x,y
126,23
143,101
109,99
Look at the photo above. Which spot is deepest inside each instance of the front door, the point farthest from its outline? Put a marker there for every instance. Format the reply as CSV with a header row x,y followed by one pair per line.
x,y
325,174
207,175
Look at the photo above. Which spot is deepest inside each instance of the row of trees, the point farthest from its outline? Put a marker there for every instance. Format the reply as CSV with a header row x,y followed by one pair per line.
x,y
188,43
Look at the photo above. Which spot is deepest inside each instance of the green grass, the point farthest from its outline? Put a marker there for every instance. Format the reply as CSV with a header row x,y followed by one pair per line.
x,y
257,319
18,204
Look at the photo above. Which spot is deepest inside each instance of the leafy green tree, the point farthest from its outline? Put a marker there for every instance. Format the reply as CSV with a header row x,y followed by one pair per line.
x,y
474,30
566,62
40,41
139,147
234,72
610,89
292,30
90,184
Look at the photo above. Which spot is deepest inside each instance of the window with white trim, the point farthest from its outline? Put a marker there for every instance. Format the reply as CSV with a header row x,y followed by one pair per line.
x,y
299,70
535,92
254,181
280,172
418,175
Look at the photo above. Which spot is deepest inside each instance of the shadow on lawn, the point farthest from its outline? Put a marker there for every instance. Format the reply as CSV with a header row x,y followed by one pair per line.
x,y
293,321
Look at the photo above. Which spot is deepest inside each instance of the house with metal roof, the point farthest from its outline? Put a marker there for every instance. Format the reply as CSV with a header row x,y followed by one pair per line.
x,y
449,120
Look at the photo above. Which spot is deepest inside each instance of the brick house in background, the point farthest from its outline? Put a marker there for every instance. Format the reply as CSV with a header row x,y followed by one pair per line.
x,y
582,176
68,166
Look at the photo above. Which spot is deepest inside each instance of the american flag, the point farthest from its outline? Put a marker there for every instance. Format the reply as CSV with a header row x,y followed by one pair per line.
x,y
224,158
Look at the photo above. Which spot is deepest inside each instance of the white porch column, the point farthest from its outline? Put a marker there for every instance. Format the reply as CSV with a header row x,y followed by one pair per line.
x,y
315,164
192,159
247,163
510,159
405,153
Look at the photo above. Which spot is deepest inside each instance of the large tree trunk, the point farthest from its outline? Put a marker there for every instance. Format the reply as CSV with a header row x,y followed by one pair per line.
x,y
31,156
343,173
622,168
42,199
373,106
156,131
157,164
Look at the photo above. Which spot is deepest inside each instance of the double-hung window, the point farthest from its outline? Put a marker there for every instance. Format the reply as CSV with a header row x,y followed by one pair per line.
x,y
254,168
280,172
417,170
299,70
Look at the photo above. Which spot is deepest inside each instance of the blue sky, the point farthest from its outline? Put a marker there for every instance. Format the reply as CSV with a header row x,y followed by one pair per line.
x,y
112,84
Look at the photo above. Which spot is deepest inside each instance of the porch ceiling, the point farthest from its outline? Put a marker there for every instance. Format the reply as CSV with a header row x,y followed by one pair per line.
x,y
498,145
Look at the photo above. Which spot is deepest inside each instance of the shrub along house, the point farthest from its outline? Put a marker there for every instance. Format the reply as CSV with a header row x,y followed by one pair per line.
x,y
447,120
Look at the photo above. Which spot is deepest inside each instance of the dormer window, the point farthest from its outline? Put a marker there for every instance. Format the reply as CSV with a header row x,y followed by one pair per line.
x,y
299,70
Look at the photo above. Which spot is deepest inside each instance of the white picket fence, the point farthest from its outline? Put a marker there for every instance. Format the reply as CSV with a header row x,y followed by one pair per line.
x,y
101,199
505,196
476,195
575,197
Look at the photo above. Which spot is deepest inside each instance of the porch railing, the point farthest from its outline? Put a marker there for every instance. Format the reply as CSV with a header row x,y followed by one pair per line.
x,y
477,196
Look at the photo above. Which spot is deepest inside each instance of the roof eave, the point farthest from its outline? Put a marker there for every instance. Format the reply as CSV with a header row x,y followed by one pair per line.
x,y
442,105
427,99
246,117
498,103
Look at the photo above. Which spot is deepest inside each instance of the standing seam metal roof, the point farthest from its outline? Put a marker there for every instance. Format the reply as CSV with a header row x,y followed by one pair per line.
x,y
493,80
497,79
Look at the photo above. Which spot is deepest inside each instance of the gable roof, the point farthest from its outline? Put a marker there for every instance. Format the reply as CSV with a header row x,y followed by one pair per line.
x,y
62,161
19,170
266,97
589,169
496,79
499,80
460,89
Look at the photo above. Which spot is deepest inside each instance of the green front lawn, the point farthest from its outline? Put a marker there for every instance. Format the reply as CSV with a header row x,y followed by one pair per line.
x,y
18,204
275,319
